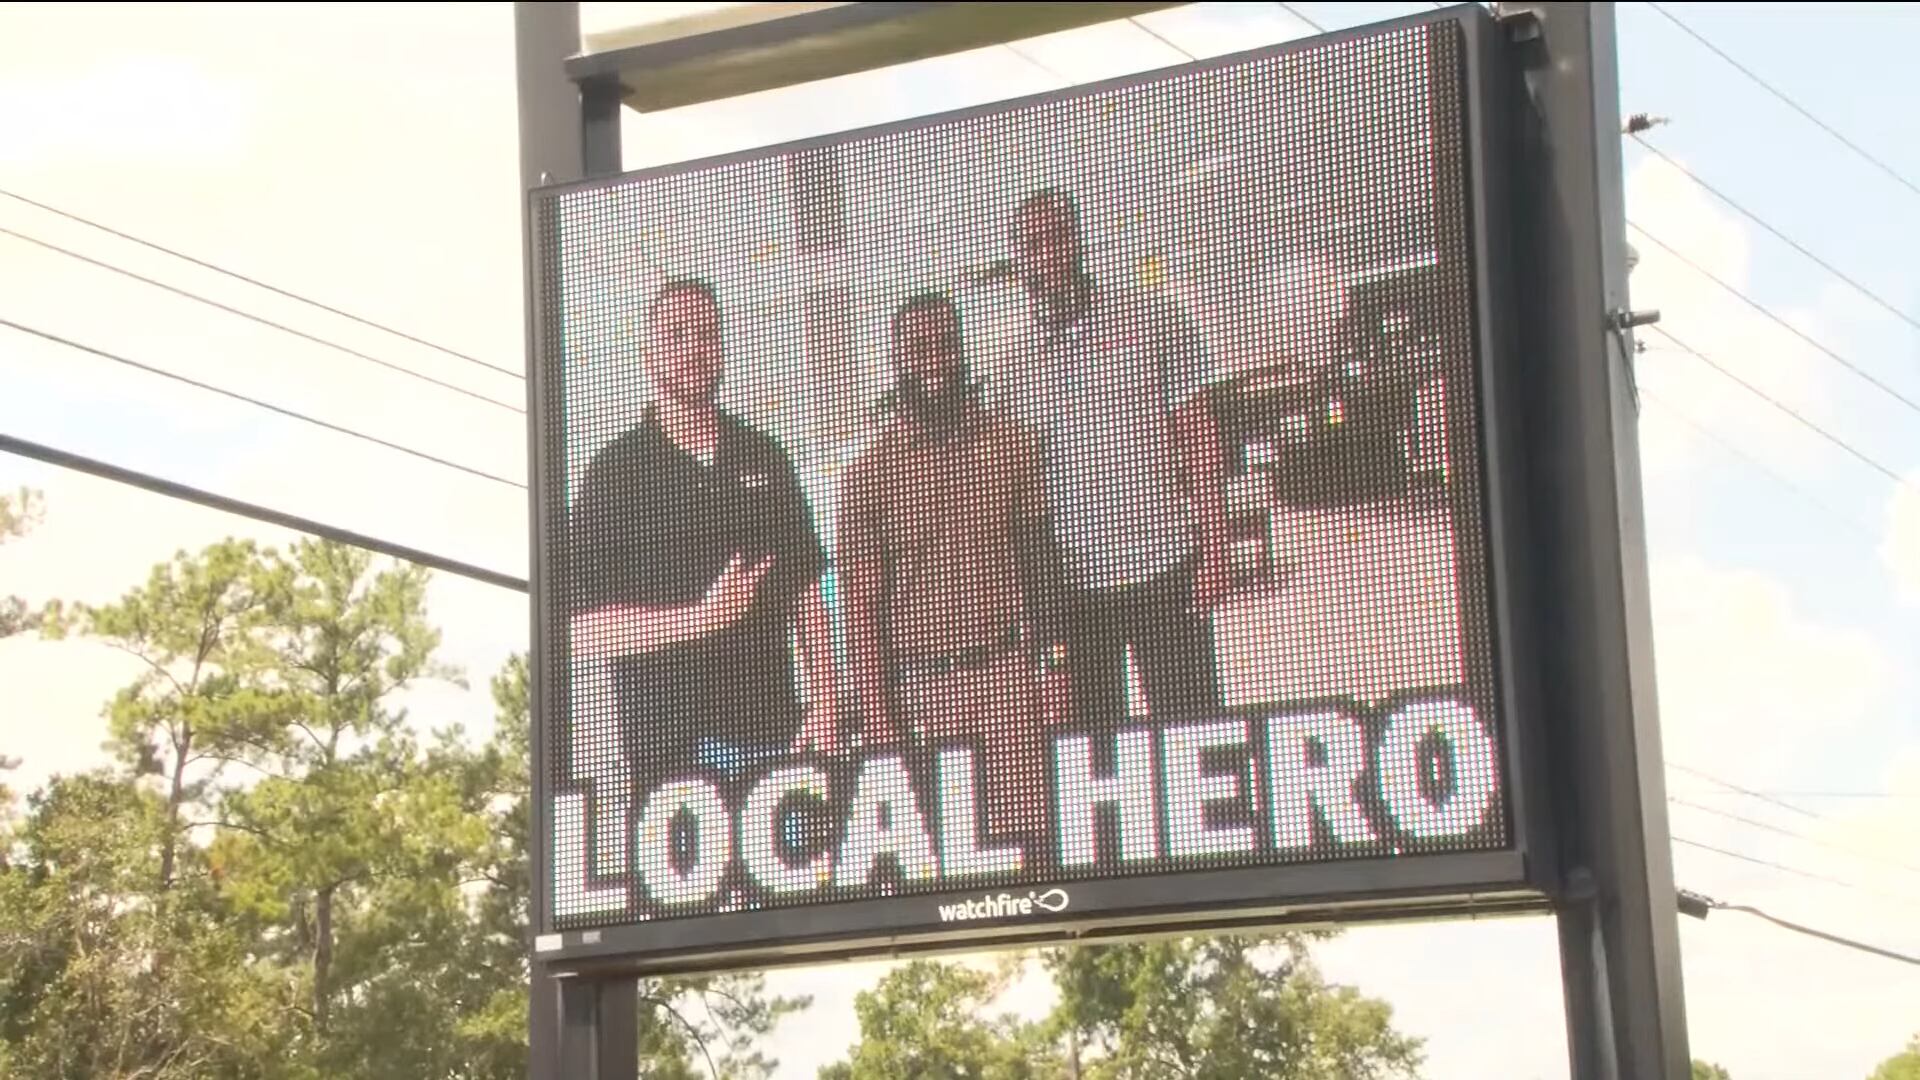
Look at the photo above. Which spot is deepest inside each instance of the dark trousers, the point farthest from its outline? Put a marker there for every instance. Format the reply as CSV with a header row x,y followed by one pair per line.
x,y
1173,649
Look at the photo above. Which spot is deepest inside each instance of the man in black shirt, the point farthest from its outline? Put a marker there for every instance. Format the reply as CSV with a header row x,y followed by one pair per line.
x,y
691,566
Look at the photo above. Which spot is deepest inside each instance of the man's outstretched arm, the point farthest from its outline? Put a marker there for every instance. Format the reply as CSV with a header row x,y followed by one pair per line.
x,y
615,630
1201,450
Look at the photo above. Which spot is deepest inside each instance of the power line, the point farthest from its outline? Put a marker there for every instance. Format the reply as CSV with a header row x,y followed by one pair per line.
x,y
1787,100
1775,801
210,388
1037,65
1769,864
1848,794
1784,324
1749,792
1821,934
1841,516
1803,837
257,283
1739,818
1795,871
1884,303
175,490
231,310
1708,902
1825,794
1295,12
1160,37
1788,410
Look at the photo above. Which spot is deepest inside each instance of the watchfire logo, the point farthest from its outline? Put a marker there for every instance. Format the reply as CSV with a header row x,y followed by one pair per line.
x,y
1005,906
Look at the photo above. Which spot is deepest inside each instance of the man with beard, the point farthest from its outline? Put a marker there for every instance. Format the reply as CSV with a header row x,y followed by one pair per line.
x,y
690,564
1113,384
943,567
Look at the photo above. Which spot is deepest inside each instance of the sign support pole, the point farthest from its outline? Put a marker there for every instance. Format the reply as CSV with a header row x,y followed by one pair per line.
x,y
579,1029
1619,932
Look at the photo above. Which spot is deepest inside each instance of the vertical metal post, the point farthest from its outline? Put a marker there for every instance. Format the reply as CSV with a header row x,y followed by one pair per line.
x,y
600,127
597,1037
585,1030
1619,933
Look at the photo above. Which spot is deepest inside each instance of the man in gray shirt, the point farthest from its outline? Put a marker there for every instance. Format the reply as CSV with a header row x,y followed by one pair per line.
x,y
1113,384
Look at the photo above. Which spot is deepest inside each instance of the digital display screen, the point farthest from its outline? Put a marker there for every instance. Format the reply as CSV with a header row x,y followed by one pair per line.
x,y
1083,489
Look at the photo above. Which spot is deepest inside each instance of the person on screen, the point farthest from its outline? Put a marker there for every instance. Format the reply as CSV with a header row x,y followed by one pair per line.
x,y
691,561
1113,381
943,563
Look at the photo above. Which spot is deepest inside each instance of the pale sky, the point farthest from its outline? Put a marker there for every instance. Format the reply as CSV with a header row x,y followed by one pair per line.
x,y
366,156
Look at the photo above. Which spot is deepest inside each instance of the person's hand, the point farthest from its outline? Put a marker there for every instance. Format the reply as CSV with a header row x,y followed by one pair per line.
x,y
819,731
732,592
1211,579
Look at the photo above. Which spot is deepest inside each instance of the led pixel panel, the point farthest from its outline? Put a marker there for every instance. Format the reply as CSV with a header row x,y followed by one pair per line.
x,y
1082,490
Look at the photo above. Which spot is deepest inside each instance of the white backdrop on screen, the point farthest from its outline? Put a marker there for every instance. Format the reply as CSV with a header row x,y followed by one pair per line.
x,y
1229,214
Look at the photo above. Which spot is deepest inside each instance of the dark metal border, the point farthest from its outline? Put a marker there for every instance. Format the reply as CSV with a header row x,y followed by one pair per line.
x,y
1431,883
1511,567
1463,14
763,34
541,444
811,46
1257,896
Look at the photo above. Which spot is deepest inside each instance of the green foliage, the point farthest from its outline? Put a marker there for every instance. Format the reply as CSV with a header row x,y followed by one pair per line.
x,y
1215,1008
279,878
198,698
929,1019
1902,1066
1706,1070
20,511
1223,1007
103,977
7,800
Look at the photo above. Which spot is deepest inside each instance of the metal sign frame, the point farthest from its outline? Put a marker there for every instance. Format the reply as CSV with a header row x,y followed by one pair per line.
x,y
1565,553
1483,882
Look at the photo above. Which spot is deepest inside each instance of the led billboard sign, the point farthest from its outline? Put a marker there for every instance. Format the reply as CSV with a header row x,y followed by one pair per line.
x,y
1069,513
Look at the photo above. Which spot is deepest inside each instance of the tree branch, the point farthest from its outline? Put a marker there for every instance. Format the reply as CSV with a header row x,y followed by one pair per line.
x,y
317,744
255,830
698,1039
228,759
147,660
741,1005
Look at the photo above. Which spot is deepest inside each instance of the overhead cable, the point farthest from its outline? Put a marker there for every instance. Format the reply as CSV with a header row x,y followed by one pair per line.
x,y
262,320
257,403
1699,902
1788,410
1842,276
175,490
255,282
1788,100
1774,317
